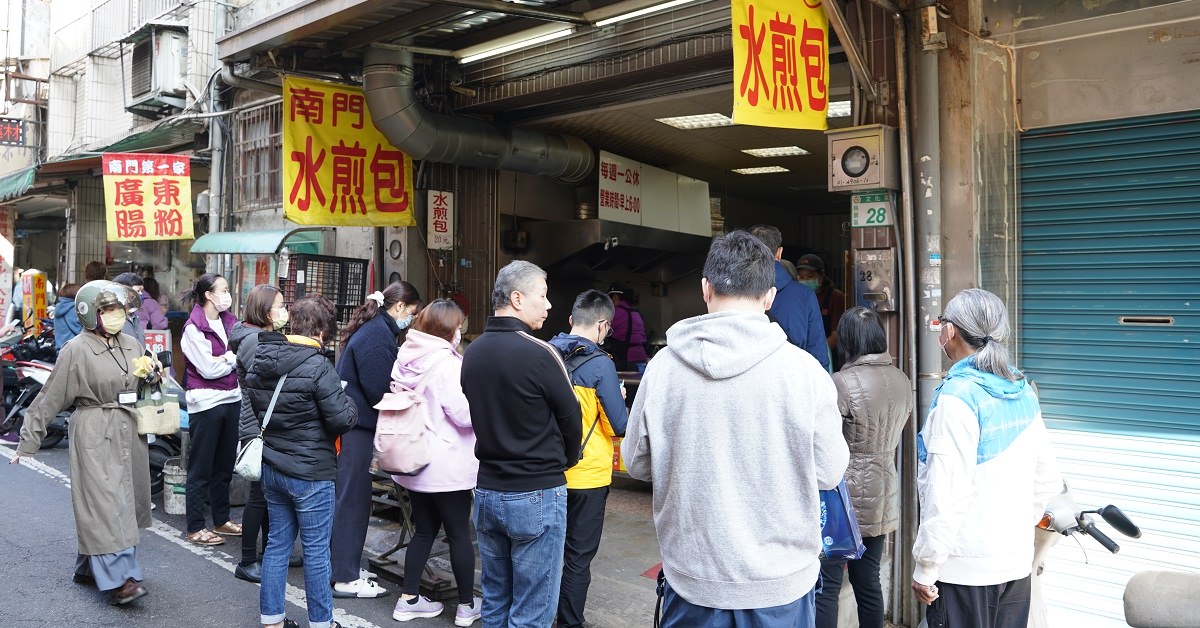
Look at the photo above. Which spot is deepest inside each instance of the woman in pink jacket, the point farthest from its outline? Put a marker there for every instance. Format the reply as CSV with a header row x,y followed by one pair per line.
x,y
441,492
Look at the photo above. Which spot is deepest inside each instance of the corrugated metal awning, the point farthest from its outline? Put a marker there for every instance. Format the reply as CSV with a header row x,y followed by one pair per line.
x,y
267,242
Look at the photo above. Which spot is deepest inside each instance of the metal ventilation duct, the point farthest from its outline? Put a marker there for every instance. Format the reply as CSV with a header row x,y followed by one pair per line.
x,y
422,134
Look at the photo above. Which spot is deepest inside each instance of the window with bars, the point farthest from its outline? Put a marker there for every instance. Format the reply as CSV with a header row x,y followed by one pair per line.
x,y
258,177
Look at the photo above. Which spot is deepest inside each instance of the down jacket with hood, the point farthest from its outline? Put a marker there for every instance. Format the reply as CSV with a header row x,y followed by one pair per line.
x,y
312,410
429,359
874,399
738,430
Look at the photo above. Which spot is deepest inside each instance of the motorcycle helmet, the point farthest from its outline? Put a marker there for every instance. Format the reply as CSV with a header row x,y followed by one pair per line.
x,y
95,296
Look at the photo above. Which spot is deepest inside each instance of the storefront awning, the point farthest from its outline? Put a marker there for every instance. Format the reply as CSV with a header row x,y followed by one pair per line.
x,y
16,183
267,242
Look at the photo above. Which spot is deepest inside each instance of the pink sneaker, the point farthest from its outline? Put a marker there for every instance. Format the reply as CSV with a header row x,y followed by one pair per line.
x,y
466,615
420,608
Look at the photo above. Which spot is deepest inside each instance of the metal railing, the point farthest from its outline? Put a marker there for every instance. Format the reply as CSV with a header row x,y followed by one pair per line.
x,y
71,42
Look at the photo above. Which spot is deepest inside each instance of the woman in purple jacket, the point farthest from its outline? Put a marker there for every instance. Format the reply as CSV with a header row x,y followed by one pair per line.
x,y
213,401
441,492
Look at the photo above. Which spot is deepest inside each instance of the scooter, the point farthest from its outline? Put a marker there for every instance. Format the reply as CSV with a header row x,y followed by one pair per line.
x,y
31,377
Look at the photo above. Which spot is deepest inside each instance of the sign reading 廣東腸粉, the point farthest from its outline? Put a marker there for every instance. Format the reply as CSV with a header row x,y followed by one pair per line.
x,y
147,196
780,63
338,168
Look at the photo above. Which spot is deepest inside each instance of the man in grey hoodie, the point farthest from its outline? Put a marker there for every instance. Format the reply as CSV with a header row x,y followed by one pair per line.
x,y
737,429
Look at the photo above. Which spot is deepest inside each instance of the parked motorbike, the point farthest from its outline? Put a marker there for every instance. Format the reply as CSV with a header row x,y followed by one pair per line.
x,y
31,377
1162,599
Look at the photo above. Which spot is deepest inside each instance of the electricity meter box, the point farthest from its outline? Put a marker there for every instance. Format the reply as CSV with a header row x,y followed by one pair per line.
x,y
875,279
863,158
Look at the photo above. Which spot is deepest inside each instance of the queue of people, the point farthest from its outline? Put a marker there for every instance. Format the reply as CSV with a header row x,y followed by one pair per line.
x,y
525,454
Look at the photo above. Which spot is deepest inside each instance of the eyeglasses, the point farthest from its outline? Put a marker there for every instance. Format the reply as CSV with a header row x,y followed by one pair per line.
x,y
943,320
610,329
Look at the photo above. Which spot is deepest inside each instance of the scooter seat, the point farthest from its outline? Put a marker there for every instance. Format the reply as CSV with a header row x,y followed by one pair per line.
x,y
1162,599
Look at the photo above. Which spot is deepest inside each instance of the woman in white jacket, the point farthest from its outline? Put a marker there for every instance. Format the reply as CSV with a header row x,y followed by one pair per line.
x,y
441,492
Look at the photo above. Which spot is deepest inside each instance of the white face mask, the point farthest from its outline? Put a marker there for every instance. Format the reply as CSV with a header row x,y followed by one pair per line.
x,y
457,338
280,318
223,301
113,321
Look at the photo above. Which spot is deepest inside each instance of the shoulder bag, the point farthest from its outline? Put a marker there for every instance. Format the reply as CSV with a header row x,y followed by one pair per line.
x,y
249,457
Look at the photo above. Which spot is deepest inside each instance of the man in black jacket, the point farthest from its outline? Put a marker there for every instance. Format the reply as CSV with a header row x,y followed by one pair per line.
x,y
528,429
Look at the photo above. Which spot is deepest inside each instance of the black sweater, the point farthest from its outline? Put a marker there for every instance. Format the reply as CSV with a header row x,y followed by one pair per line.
x,y
312,410
523,408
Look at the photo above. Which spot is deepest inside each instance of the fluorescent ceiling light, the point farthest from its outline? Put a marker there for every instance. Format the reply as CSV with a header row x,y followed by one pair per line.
x,y
762,170
516,41
778,151
655,8
702,121
838,109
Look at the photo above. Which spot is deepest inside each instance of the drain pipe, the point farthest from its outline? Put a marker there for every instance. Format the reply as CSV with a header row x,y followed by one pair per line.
x,y
388,83
241,82
216,145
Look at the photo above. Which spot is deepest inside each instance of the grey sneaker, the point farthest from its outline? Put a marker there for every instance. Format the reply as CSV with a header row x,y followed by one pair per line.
x,y
466,615
420,608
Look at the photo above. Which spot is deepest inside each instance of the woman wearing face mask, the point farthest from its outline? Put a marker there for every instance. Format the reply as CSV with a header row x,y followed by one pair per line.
x,y
264,311
369,346
213,401
110,467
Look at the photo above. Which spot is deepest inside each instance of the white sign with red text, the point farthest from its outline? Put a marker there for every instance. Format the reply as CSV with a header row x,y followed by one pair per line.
x,y
441,219
158,340
620,189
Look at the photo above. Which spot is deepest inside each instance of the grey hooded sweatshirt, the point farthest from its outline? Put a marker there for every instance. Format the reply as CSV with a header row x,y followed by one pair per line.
x,y
737,429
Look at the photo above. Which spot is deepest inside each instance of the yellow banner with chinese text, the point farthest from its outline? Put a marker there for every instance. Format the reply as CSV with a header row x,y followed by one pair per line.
x,y
338,168
147,196
780,64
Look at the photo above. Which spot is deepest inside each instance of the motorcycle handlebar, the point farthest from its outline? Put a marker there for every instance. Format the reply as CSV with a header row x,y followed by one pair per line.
x,y
1091,530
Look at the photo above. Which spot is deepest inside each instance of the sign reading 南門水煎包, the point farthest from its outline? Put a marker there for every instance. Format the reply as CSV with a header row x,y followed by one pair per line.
x,y
780,63
147,196
338,168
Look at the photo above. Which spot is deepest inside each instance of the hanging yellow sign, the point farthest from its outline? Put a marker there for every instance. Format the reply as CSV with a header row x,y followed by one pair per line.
x,y
780,63
338,169
147,197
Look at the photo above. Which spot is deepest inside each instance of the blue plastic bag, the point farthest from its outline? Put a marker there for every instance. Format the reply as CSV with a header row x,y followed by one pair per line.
x,y
840,536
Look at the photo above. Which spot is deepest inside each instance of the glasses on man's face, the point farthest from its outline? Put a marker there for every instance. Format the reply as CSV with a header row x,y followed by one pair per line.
x,y
605,322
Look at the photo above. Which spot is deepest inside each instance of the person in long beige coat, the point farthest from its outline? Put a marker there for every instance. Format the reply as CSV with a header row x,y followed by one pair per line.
x,y
875,400
109,464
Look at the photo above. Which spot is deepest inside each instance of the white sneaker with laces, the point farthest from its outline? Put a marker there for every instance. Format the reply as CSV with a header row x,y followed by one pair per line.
x,y
361,588
420,607
466,615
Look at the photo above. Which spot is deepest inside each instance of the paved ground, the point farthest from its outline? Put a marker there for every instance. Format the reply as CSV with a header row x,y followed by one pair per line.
x,y
192,586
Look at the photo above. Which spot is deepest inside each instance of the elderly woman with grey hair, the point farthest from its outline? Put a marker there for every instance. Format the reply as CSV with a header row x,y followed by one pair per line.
x,y
985,471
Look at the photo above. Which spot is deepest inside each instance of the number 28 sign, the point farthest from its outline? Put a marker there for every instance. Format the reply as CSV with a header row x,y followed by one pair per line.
x,y
872,209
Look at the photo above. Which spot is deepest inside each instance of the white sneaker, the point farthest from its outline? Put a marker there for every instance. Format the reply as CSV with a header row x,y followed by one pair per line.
x,y
361,588
420,608
466,615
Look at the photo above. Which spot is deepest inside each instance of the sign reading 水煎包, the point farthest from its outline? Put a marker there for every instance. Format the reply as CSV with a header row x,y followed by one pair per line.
x,y
780,64
338,168
147,196
441,220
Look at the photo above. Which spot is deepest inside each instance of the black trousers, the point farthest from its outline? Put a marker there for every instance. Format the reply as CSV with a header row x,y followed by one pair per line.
x,y
864,577
352,505
993,606
213,441
451,511
585,524
254,521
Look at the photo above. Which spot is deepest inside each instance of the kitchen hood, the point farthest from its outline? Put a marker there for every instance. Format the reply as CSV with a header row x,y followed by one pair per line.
x,y
582,247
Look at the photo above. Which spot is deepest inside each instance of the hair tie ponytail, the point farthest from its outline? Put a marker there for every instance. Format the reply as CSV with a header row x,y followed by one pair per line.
x,y
377,297
987,339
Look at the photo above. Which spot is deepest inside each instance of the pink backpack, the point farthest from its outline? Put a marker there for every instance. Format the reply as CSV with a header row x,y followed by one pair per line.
x,y
403,434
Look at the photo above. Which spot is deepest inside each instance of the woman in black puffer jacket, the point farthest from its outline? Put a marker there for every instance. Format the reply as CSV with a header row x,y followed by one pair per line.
x,y
299,460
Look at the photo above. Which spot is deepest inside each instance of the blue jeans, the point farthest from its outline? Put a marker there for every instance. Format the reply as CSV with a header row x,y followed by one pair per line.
x,y
521,538
680,613
294,503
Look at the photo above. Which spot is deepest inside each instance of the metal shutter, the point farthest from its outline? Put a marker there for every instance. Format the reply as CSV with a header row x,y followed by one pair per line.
x,y
1110,331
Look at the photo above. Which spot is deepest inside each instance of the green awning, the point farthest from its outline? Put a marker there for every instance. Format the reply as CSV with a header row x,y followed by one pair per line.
x,y
299,240
17,183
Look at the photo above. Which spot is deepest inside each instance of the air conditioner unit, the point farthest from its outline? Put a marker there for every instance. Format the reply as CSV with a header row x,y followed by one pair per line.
x,y
158,69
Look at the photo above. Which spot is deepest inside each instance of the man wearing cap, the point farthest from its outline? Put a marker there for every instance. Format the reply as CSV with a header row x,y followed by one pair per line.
x,y
795,307
810,271
628,339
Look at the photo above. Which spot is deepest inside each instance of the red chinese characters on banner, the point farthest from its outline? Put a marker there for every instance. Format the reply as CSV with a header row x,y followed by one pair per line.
x,y
441,220
781,64
339,169
148,197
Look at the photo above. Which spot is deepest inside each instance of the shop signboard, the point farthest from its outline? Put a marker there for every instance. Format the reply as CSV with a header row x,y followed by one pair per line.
x,y
872,209
12,132
6,273
441,220
33,300
158,340
147,196
338,168
780,64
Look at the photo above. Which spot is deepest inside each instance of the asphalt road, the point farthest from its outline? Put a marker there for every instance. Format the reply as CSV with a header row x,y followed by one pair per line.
x,y
191,586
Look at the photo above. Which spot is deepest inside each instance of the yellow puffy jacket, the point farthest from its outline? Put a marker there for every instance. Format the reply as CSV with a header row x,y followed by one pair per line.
x,y
598,390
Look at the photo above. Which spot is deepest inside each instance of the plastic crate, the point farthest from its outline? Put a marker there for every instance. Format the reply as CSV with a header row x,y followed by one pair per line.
x,y
342,280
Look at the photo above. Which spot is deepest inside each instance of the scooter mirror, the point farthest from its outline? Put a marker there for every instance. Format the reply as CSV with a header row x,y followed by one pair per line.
x,y
1119,521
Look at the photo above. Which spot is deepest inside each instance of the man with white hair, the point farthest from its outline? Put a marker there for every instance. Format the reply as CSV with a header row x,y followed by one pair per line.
x,y
528,428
